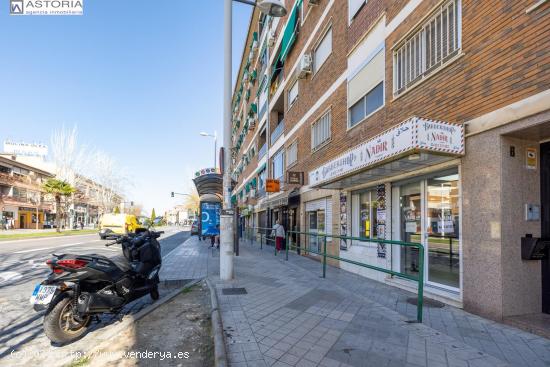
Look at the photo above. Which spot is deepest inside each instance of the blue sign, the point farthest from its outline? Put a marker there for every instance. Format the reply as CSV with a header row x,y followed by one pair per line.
x,y
210,219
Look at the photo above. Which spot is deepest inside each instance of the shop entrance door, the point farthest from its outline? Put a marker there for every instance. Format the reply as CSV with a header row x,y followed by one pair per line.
x,y
22,221
545,220
427,211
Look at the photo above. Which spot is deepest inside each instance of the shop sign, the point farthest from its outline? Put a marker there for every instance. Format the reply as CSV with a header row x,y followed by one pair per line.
x,y
26,209
206,171
272,185
25,149
295,178
411,135
531,156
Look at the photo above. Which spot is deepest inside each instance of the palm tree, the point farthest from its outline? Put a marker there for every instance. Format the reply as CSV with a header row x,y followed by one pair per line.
x,y
153,217
59,189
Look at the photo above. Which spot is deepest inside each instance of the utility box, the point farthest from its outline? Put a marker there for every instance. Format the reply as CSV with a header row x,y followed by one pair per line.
x,y
533,248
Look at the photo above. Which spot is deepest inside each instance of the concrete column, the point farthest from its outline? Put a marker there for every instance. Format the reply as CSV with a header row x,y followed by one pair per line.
x,y
226,247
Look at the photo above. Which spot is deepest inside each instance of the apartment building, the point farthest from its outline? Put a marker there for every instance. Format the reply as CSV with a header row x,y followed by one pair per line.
x,y
22,202
423,121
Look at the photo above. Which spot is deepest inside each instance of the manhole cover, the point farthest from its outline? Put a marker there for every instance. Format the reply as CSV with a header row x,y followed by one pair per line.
x,y
427,302
233,291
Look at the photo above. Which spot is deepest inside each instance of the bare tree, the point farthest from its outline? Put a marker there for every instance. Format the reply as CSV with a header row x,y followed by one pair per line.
x,y
109,181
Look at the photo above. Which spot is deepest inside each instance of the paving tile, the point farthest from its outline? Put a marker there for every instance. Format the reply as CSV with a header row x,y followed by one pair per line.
x,y
348,320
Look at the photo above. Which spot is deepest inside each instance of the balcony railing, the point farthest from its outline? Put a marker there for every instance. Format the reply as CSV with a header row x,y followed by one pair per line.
x,y
277,132
262,151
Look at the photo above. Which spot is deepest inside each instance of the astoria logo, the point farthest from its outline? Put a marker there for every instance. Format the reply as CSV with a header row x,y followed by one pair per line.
x,y
46,7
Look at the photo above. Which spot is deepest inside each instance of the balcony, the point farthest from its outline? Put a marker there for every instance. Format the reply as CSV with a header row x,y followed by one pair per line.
x,y
262,151
277,132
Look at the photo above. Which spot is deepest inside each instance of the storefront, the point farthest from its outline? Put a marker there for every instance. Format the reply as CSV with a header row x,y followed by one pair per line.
x,y
403,184
30,218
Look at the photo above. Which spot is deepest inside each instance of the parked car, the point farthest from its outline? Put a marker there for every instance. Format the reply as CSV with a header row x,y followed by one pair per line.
x,y
195,228
114,225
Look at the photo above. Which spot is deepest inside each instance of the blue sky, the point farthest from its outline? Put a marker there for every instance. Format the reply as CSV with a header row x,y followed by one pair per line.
x,y
140,79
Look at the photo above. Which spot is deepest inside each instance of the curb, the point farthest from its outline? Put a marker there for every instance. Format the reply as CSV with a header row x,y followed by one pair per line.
x,y
220,354
131,319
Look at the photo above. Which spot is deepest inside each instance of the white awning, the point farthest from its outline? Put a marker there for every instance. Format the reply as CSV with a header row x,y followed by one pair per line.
x,y
429,141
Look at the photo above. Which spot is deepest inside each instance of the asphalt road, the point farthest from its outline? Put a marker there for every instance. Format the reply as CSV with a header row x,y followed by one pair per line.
x,y
22,266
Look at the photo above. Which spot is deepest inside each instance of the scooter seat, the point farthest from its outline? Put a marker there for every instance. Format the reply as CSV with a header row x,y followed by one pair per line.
x,y
121,262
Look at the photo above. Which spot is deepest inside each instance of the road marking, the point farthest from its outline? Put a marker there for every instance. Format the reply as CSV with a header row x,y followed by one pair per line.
x,y
47,238
10,275
53,247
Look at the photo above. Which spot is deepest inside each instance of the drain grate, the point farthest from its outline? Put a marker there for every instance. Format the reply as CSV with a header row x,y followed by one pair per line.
x,y
233,291
430,303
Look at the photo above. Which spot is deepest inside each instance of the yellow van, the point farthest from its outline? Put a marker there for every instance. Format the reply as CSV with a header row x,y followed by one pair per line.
x,y
111,225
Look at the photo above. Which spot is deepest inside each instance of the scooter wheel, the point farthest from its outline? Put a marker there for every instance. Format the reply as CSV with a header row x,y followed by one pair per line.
x,y
60,326
155,294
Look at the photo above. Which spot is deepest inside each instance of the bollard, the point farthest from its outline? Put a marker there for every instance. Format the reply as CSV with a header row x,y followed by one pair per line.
x,y
286,245
420,302
324,257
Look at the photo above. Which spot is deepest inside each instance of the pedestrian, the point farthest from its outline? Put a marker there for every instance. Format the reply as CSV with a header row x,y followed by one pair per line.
x,y
279,232
81,225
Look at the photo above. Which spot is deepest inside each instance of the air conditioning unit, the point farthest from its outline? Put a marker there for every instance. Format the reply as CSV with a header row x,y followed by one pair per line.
x,y
271,39
306,64
245,77
314,2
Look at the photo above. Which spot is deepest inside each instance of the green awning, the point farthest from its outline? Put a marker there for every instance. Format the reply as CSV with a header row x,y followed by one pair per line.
x,y
247,187
289,36
262,167
247,95
254,182
262,86
253,76
253,108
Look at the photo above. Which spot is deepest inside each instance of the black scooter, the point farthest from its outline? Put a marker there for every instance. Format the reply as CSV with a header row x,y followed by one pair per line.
x,y
81,286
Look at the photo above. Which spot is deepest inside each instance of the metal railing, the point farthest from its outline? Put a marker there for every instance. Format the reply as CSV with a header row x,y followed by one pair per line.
x,y
265,234
277,132
262,151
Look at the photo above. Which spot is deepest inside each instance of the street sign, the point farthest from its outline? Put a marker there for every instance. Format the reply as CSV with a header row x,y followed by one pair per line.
x,y
295,178
272,185
228,212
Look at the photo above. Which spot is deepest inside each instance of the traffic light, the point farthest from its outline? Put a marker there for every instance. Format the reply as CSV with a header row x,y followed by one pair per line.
x,y
172,193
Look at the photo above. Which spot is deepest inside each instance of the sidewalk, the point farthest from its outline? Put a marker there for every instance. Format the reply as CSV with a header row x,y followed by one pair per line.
x,y
290,316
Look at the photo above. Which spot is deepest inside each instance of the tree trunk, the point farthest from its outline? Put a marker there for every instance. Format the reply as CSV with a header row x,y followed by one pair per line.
x,y
58,213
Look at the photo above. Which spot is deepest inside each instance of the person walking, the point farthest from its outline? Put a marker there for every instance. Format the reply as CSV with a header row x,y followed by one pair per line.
x,y
279,232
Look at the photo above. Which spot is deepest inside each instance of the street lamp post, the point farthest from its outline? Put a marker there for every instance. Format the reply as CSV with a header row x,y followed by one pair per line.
x,y
273,8
215,136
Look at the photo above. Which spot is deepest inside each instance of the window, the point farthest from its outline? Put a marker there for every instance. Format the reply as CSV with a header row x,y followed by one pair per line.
x,y
320,131
367,212
371,102
354,6
4,169
293,94
430,47
322,51
278,165
292,154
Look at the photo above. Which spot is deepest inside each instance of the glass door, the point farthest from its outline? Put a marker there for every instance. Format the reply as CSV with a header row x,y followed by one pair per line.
x,y
442,230
312,228
410,204
428,212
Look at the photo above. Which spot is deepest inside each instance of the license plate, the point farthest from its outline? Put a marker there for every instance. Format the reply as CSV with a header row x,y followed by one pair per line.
x,y
42,294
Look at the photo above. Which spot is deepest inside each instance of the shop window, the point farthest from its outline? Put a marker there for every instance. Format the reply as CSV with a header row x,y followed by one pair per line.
x,y
366,212
434,44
